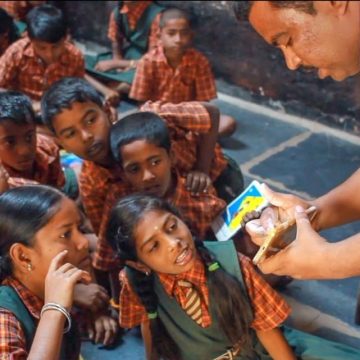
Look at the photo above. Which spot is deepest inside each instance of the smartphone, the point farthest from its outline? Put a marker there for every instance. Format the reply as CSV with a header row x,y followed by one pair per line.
x,y
280,237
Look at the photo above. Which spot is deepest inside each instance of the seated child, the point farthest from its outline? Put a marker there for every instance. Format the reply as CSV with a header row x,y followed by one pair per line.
x,y
175,72
19,9
133,29
8,31
198,300
74,112
43,255
141,145
33,63
26,156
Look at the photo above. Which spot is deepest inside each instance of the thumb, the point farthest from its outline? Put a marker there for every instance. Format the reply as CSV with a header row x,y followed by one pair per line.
x,y
273,197
302,222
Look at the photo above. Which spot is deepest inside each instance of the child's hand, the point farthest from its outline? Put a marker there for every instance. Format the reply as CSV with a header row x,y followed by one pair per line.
x,y
103,330
61,279
92,297
112,97
106,65
197,182
4,177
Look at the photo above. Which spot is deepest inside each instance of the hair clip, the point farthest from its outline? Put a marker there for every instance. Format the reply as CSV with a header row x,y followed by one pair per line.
x,y
214,266
152,315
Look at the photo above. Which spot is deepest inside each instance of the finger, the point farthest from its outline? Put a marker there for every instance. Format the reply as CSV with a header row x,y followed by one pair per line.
x,y
76,276
202,183
195,185
269,218
91,331
99,331
189,179
85,278
273,197
64,268
57,260
302,222
208,183
256,231
109,334
274,264
104,297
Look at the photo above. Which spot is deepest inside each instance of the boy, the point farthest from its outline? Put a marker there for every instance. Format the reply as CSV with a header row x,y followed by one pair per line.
x,y
33,63
74,112
26,157
133,29
175,72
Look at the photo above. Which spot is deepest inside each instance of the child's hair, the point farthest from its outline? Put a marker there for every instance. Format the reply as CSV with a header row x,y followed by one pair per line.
x,y
23,212
232,309
46,23
63,94
139,126
16,107
174,13
7,25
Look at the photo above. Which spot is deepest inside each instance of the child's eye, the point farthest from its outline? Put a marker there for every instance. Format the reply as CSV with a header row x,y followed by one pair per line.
x,y
29,138
155,162
69,134
154,246
66,235
90,120
133,169
10,142
172,225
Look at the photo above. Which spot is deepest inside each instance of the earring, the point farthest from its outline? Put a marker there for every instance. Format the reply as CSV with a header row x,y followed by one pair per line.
x,y
29,267
147,273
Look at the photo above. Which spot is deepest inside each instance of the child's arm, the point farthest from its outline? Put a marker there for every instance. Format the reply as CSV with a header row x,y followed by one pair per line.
x,y
111,96
146,335
276,344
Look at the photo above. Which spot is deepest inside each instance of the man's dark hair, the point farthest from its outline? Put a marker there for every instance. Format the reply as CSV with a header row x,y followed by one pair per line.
x,y
46,23
63,94
145,125
174,13
242,9
16,107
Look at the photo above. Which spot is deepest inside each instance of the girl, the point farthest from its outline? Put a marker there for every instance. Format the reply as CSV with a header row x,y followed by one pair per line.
x,y
197,303
42,252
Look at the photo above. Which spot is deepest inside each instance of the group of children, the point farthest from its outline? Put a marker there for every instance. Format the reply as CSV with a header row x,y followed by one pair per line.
x,y
128,233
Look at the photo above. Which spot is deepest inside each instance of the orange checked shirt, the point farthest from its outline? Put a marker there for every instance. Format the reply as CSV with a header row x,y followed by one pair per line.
x,y
22,70
47,167
133,15
197,211
269,308
155,79
12,337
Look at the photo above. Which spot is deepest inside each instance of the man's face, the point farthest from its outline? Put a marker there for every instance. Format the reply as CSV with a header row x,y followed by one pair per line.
x,y
84,131
328,41
48,52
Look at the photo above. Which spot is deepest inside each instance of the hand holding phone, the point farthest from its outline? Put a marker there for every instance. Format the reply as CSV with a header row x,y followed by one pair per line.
x,y
280,237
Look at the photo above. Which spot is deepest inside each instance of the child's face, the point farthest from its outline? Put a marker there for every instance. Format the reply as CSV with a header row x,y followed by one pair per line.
x,y
17,145
147,167
60,233
48,52
164,243
84,131
176,37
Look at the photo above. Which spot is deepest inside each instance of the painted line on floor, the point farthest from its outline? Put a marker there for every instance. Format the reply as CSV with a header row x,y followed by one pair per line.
x,y
311,125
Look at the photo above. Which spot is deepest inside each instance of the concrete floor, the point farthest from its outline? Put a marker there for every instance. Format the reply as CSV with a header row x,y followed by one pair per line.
x,y
290,154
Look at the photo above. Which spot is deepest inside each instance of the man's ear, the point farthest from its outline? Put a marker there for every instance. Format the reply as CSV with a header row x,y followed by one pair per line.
x,y
138,266
21,256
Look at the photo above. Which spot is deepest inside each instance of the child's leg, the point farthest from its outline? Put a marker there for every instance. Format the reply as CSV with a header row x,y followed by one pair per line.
x,y
227,125
230,182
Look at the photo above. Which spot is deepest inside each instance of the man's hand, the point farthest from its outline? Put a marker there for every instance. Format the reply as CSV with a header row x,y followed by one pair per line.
x,y
197,182
305,257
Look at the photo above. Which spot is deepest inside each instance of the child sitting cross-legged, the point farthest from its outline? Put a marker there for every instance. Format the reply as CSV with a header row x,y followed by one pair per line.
x,y
198,300
174,71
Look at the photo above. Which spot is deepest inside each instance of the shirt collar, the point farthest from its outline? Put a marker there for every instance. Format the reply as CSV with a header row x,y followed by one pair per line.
x,y
31,301
196,276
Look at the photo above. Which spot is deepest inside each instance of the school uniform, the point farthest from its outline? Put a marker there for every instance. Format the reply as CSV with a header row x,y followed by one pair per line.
x,y
206,341
155,79
135,29
197,211
47,167
22,70
19,315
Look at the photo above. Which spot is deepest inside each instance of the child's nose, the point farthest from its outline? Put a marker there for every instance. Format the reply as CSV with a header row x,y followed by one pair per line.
x,y
148,175
82,242
86,136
